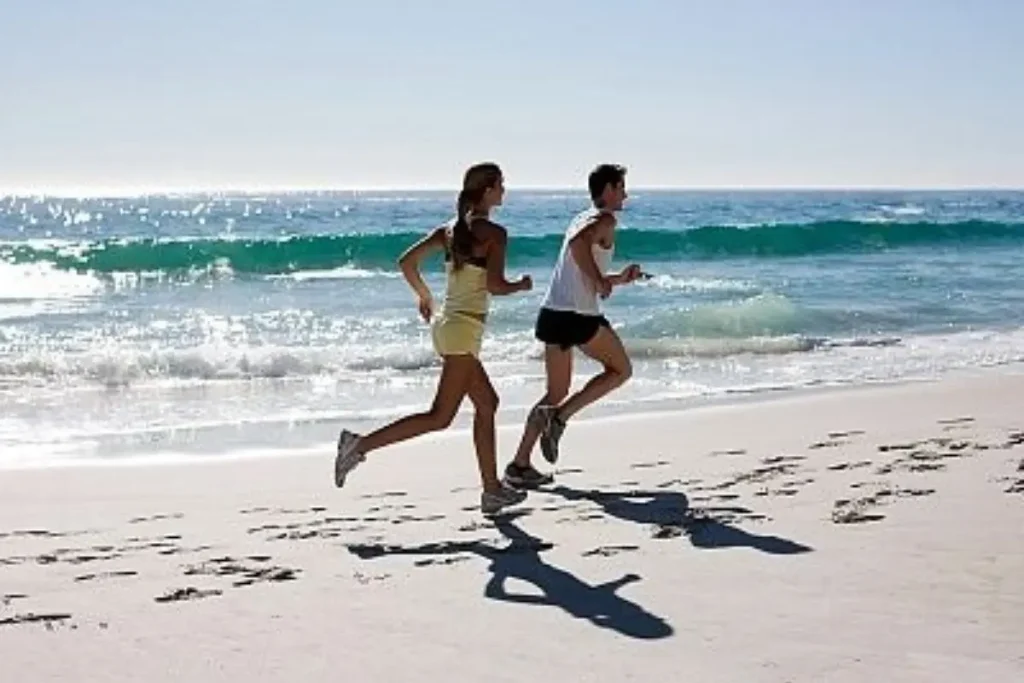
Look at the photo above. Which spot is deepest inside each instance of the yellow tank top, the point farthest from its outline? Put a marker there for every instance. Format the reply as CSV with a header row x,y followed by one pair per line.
x,y
466,290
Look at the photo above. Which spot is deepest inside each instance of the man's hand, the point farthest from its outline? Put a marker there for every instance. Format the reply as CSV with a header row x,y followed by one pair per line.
x,y
632,273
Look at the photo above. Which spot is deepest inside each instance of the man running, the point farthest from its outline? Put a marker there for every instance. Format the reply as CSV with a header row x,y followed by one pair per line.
x,y
570,316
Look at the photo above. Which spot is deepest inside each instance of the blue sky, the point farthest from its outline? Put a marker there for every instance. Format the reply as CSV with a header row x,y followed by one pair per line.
x,y
386,93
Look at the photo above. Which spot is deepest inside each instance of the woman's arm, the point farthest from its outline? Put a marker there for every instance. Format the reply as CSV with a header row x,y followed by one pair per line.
x,y
497,284
409,263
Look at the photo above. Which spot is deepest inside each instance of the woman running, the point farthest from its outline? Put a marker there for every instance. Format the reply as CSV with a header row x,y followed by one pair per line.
x,y
474,248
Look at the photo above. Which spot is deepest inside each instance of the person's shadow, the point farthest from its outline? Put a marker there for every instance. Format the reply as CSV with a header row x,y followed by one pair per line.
x,y
600,604
670,513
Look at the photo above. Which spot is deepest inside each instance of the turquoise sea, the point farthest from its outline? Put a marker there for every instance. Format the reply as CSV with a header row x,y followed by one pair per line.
x,y
201,326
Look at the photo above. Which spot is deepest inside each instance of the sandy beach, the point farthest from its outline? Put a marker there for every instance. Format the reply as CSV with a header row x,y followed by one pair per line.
x,y
872,534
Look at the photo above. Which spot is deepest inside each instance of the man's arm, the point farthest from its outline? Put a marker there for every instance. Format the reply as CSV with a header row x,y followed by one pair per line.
x,y
582,250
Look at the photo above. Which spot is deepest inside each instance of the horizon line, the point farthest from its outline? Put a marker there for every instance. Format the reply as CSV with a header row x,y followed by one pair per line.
x,y
121,192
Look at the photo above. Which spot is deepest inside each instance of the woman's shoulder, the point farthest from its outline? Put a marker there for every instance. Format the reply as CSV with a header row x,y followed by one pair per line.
x,y
486,228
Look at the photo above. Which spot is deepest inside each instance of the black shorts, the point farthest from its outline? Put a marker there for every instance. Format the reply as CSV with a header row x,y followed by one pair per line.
x,y
567,328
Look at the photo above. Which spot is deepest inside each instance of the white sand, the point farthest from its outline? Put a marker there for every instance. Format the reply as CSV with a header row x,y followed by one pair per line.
x,y
612,577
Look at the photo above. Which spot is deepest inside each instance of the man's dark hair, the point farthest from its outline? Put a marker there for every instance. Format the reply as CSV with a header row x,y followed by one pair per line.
x,y
602,176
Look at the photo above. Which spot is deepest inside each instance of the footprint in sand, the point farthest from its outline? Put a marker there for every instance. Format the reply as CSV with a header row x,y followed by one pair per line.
x,y
369,578
38,533
926,467
7,598
648,465
786,490
87,558
923,460
190,593
665,531
956,421
299,511
609,550
725,514
107,575
847,511
383,508
854,516
856,511
831,443
308,534
782,459
47,620
184,551
1015,439
1016,483
164,546
406,519
229,566
590,517
718,528
914,493
678,482
385,494
885,448
758,475
843,466
733,451
442,561
156,518
844,435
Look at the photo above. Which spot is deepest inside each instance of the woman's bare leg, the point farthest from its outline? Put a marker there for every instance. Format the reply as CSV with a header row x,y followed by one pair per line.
x,y
485,404
456,373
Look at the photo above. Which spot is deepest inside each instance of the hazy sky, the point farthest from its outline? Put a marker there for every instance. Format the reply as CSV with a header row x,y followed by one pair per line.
x,y
182,93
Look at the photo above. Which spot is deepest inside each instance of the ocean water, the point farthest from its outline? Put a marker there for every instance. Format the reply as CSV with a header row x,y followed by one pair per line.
x,y
206,326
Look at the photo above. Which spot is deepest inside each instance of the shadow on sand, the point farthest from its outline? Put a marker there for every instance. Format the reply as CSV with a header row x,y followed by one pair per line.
x,y
668,512
671,515
600,604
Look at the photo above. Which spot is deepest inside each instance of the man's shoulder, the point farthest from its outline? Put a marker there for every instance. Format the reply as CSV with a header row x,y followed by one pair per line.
x,y
593,218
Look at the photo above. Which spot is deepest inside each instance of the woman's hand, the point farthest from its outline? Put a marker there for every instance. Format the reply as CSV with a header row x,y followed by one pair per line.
x,y
426,308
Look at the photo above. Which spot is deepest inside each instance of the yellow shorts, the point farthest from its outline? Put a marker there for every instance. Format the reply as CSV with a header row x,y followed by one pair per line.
x,y
457,334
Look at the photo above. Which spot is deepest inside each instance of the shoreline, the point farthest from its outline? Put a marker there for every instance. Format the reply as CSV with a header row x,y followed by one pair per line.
x,y
509,427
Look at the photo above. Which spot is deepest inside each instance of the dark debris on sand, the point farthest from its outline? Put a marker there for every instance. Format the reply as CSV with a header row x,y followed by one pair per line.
x,y
31,618
247,575
190,593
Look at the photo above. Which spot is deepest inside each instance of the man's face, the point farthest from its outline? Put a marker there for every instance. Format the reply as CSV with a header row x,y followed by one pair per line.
x,y
615,196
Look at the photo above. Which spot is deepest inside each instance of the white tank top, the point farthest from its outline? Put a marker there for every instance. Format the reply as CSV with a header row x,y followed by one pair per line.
x,y
570,290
